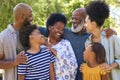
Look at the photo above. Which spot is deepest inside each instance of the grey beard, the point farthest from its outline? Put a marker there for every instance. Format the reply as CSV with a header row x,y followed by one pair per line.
x,y
77,29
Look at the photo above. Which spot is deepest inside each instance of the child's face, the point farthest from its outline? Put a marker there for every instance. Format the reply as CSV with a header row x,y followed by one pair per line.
x,y
88,54
36,36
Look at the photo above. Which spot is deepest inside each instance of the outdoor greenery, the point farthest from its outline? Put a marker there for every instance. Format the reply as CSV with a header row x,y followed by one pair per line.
x,y
43,8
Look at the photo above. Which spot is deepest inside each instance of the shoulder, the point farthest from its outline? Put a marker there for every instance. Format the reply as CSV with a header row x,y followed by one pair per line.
x,y
4,34
65,41
43,31
41,28
67,30
113,38
44,49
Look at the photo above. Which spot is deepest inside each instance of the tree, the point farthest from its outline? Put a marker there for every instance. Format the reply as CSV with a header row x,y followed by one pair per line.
x,y
43,8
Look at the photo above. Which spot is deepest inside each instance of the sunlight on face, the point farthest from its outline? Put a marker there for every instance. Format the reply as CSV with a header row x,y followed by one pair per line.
x,y
57,30
88,24
87,53
37,37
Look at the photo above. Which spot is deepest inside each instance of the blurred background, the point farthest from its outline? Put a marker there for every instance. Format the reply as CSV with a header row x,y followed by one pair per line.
x,y
43,8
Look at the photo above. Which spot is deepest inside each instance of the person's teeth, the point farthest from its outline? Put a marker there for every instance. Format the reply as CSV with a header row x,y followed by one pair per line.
x,y
58,34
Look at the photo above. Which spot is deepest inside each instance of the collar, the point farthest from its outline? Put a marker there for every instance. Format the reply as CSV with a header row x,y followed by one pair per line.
x,y
11,29
103,34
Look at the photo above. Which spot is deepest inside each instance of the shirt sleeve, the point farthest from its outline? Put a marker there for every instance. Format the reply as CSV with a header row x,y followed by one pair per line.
x,y
116,46
44,31
104,72
22,69
1,46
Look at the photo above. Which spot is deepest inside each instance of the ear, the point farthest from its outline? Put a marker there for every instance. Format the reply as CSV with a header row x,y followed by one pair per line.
x,y
49,28
23,17
30,36
94,23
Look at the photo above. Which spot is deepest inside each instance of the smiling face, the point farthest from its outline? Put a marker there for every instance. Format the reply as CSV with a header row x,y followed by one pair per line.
x,y
56,31
37,37
77,18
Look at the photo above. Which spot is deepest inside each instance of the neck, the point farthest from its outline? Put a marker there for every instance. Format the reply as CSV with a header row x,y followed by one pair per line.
x,y
53,41
96,35
92,63
34,48
17,25
81,31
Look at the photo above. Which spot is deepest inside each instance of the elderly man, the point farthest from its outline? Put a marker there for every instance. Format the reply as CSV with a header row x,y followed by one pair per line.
x,y
9,42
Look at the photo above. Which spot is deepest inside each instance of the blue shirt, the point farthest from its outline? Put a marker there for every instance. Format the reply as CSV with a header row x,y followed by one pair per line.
x,y
37,66
78,44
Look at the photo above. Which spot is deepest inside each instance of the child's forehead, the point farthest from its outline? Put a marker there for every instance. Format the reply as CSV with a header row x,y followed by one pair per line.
x,y
36,30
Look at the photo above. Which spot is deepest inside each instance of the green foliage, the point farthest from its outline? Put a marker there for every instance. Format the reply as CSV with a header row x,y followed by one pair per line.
x,y
42,9
6,12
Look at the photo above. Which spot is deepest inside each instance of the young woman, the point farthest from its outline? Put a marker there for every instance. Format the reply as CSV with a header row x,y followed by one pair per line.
x,y
39,65
65,63
94,55
97,12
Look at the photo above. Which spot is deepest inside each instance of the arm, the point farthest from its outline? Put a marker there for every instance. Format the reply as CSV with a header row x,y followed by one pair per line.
x,y
43,31
21,77
114,47
105,77
116,51
52,73
110,32
114,43
6,64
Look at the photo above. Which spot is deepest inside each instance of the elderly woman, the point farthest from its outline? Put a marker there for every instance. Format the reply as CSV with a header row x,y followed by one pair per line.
x,y
65,63
97,12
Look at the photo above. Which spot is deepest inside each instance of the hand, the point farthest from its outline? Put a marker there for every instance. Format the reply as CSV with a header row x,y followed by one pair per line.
x,y
20,58
81,67
110,32
106,67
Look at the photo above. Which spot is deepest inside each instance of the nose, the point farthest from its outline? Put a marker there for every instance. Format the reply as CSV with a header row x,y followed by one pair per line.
x,y
31,19
85,25
73,20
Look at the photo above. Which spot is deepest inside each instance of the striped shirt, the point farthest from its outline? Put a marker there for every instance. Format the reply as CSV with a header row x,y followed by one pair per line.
x,y
37,66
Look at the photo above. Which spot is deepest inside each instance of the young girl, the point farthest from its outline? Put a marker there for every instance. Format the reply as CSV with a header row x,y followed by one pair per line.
x,y
39,65
94,55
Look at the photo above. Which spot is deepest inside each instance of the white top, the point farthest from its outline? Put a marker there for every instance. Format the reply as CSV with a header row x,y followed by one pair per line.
x,y
8,48
65,63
